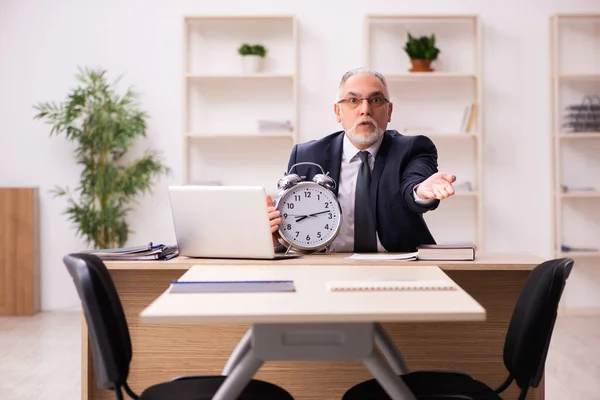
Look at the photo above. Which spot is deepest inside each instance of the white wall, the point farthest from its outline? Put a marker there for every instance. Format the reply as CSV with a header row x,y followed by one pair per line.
x,y
43,42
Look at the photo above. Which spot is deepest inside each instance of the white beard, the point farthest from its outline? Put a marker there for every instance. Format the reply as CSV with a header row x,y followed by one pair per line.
x,y
367,138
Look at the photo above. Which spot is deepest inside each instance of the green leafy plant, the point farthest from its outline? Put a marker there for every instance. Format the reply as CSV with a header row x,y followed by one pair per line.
x,y
256,49
104,125
422,48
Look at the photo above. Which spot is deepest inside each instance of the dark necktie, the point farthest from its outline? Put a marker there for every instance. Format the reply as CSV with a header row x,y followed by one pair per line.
x,y
364,227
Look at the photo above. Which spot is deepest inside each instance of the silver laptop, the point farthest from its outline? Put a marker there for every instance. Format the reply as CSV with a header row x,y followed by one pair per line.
x,y
222,222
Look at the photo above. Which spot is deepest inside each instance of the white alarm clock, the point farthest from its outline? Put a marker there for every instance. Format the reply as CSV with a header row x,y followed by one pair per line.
x,y
311,215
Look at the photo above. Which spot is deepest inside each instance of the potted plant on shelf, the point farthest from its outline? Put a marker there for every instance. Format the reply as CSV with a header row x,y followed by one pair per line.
x,y
104,126
422,52
252,57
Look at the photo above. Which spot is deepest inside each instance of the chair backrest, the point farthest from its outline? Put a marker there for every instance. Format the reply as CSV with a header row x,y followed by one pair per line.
x,y
532,323
107,326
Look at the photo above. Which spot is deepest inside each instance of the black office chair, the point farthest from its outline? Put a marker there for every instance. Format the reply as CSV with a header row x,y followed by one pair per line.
x,y
525,348
111,343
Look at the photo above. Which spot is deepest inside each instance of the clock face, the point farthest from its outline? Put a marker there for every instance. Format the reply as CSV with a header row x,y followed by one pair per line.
x,y
311,216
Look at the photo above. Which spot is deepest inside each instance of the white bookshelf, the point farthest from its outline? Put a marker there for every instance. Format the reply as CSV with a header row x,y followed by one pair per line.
x,y
444,93
223,104
575,73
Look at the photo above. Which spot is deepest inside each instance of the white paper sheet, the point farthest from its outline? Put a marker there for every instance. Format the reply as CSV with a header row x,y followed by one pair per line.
x,y
382,256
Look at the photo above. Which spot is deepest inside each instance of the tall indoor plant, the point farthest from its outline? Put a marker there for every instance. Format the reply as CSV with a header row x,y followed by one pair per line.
x,y
104,125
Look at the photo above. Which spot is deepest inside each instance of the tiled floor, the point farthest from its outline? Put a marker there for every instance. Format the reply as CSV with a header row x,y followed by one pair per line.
x,y
40,358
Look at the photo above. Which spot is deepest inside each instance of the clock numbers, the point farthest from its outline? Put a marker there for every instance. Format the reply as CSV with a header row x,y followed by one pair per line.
x,y
311,216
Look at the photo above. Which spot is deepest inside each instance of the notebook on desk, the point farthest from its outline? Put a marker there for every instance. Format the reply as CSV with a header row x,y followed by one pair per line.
x,y
388,285
231,286
223,222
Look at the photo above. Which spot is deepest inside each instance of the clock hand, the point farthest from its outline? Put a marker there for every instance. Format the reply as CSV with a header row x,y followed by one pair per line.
x,y
320,212
311,215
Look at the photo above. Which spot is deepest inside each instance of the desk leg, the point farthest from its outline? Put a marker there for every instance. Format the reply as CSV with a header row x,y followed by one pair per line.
x,y
390,351
238,353
241,374
332,342
389,381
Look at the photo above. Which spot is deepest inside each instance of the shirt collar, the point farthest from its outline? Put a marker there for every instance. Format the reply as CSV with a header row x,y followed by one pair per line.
x,y
349,151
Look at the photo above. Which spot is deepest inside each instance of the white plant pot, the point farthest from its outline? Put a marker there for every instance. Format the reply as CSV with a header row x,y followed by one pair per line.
x,y
251,64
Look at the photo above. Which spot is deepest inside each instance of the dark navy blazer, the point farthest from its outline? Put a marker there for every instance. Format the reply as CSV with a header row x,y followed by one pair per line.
x,y
401,163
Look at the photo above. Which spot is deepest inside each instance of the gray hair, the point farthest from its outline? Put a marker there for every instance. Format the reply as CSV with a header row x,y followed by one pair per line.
x,y
362,71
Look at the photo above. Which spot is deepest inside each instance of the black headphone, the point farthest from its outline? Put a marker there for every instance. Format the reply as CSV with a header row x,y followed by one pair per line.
x,y
289,179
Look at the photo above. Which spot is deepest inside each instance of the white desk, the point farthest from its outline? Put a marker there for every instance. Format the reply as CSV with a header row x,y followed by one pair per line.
x,y
313,323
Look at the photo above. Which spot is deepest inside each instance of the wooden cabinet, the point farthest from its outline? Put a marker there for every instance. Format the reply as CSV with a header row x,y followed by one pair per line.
x,y
19,255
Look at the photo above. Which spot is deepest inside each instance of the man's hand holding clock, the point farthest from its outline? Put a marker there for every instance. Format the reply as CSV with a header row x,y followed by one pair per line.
x,y
274,216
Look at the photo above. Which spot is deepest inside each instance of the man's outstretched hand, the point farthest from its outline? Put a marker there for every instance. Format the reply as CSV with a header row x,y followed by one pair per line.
x,y
437,186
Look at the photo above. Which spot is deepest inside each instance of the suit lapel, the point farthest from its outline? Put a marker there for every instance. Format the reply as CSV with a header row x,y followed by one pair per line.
x,y
377,169
333,159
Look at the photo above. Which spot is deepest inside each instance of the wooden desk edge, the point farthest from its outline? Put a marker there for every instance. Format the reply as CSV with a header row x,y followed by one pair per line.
x,y
483,262
477,316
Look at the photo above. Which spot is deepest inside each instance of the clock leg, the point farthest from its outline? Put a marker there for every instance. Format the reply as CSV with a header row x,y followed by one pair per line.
x,y
289,250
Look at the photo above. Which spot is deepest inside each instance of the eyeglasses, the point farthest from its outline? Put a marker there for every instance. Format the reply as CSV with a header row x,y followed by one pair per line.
x,y
375,101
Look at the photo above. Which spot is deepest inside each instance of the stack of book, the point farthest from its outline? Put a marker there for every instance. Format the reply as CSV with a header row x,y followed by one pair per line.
x,y
469,116
137,253
274,126
441,252
584,117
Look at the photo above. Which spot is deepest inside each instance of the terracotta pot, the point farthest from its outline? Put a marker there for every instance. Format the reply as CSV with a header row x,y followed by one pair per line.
x,y
420,65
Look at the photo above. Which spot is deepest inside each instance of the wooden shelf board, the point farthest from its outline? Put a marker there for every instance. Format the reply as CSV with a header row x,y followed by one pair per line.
x,y
580,194
429,75
576,16
445,135
579,135
238,76
385,18
578,77
230,135
192,18
580,254
464,193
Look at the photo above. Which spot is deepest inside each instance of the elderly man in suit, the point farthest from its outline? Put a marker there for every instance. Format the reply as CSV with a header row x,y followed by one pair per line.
x,y
386,180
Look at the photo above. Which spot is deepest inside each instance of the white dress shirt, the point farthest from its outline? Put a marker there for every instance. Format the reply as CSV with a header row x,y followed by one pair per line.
x,y
344,242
